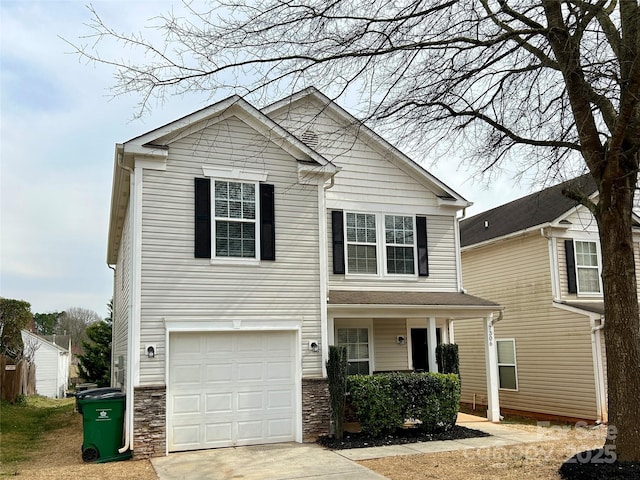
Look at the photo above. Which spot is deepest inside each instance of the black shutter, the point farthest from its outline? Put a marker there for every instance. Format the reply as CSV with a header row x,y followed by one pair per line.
x,y
423,254
202,218
267,223
337,233
572,284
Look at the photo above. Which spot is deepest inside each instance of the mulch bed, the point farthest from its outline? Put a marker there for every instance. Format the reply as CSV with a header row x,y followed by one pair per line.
x,y
400,437
597,465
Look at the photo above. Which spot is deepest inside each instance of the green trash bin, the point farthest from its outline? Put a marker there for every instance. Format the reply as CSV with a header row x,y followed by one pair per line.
x,y
102,424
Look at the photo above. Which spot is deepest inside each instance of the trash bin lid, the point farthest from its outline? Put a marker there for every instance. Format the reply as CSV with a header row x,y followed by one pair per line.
x,y
103,396
96,392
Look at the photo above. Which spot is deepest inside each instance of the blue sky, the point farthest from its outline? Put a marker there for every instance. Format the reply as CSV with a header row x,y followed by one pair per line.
x,y
58,130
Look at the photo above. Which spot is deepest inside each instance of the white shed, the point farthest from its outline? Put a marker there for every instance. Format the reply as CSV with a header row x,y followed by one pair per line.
x,y
52,365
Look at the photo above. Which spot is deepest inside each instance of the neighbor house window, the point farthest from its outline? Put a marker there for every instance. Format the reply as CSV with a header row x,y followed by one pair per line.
x,y
235,219
588,271
357,342
361,243
507,371
400,244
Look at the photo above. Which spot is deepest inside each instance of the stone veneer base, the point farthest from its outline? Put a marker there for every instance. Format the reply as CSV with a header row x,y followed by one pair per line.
x,y
149,421
150,407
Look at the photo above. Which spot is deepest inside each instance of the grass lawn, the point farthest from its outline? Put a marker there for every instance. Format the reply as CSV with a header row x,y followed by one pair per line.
x,y
23,425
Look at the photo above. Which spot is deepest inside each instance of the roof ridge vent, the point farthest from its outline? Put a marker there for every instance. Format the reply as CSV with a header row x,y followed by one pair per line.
x,y
310,138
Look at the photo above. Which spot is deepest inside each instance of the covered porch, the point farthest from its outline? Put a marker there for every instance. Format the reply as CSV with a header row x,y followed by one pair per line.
x,y
399,331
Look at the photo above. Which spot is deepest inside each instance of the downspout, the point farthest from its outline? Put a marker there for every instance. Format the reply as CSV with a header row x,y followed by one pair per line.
x,y
458,253
128,424
324,271
599,372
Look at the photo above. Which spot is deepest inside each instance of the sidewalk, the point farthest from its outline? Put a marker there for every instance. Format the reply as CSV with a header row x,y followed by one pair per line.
x,y
308,461
501,436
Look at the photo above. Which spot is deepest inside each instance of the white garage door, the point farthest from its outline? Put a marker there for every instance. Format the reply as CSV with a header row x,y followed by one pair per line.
x,y
231,388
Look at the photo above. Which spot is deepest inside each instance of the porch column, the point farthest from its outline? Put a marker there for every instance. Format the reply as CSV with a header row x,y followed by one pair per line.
x,y
491,364
431,344
450,331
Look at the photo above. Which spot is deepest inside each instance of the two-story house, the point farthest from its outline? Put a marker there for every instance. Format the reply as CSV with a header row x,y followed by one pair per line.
x,y
539,257
245,242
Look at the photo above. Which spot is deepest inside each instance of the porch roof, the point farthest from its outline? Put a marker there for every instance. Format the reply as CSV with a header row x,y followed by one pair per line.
x,y
410,299
594,307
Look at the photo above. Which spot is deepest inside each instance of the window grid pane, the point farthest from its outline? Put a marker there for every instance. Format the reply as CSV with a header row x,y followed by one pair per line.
x,y
400,260
507,371
399,232
587,267
235,214
356,340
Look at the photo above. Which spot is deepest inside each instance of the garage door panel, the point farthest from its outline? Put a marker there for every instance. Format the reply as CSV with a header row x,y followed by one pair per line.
x,y
251,401
217,345
219,403
240,391
279,371
186,404
218,432
218,373
186,436
279,428
279,399
187,374
250,372
250,344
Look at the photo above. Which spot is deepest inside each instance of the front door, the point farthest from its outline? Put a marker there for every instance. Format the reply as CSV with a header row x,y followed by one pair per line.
x,y
420,348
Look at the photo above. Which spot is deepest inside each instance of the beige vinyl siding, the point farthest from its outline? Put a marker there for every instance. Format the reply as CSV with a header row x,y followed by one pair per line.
x,y
175,285
469,335
582,220
389,354
368,175
376,182
121,296
553,346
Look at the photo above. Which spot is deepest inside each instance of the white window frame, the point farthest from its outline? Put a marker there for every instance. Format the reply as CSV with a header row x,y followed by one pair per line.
x,y
381,247
597,268
514,364
256,221
347,243
365,326
413,246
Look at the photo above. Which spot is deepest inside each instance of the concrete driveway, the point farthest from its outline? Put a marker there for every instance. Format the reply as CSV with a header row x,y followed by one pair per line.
x,y
282,461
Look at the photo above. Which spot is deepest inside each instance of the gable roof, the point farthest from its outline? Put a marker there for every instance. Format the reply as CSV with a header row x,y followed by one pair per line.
x,y
43,341
445,193
154,145
537,209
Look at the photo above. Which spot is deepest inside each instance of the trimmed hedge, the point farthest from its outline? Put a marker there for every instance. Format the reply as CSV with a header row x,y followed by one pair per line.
x,y
384,401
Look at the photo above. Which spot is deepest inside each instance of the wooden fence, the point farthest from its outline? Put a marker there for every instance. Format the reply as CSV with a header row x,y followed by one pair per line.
x,y
16,379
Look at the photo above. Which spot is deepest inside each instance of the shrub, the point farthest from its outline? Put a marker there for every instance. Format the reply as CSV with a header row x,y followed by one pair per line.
x,y
337,378
383,402
378,406
448,360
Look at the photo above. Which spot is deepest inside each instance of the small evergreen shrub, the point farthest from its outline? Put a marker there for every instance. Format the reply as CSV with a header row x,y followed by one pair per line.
x,y
383,402
337,378
448,360
379,407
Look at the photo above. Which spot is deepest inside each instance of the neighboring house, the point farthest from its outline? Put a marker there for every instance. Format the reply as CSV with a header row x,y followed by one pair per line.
x,y
247,241
539,257
52,365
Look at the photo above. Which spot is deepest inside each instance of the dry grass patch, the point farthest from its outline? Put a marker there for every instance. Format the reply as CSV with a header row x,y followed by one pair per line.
x,y
532,461
55,451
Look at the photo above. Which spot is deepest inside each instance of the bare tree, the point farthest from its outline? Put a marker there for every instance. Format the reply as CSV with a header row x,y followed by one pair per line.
x,y
548,87
74,322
